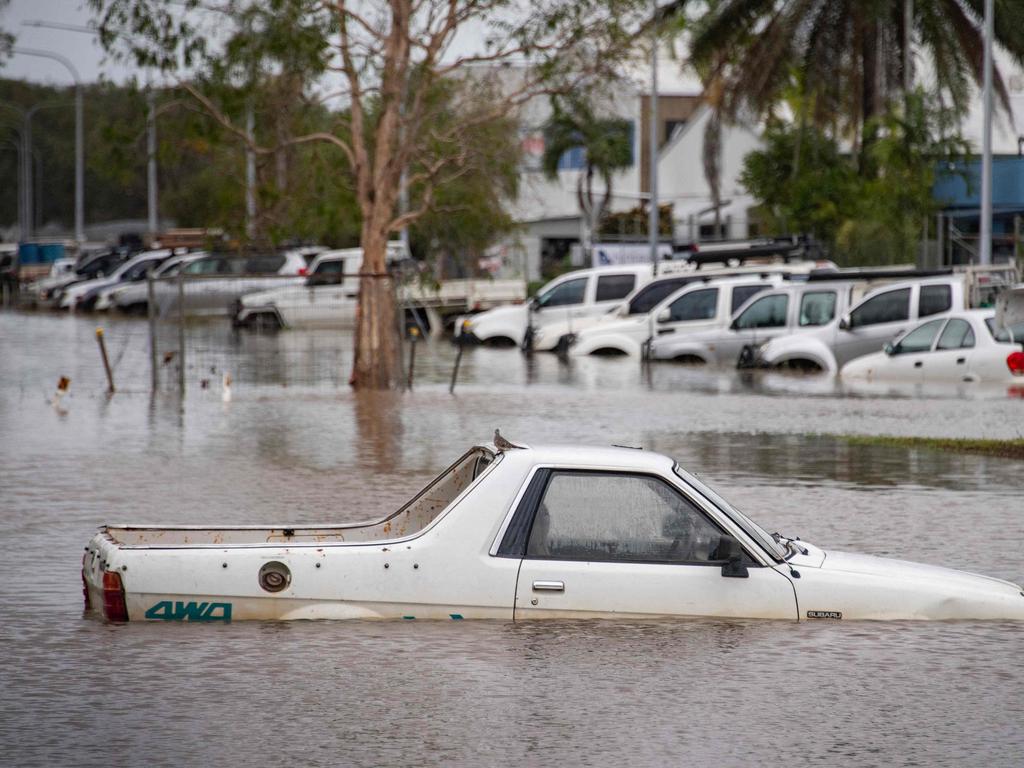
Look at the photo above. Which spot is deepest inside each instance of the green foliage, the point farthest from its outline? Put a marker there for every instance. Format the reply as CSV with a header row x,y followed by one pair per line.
x,y
869,212
574,124
847,56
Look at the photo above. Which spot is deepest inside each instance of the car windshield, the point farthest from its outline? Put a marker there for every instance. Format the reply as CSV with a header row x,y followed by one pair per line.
x,y
752,529
1010,333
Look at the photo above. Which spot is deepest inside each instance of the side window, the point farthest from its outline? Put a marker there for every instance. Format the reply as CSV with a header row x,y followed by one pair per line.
x,y
956,335
934,299
766,312
920,339
564,294
741,293
616,517
327,273
817,308
612,287
890,307
650,296
695,305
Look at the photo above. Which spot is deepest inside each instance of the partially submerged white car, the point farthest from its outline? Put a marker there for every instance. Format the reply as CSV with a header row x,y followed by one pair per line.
x,y
965,346
524,533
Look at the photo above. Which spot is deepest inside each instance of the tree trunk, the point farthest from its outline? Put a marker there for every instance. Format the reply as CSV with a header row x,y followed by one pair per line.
x,y
377,340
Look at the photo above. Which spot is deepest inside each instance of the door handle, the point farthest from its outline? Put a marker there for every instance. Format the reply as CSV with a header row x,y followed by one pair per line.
x,y
961,360
918,364
549,586
664,331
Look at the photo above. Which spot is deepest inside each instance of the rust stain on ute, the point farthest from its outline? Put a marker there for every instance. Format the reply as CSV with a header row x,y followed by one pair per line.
x,y
387,527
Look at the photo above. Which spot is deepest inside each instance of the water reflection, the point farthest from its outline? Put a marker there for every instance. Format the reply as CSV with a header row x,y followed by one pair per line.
x,y
295,445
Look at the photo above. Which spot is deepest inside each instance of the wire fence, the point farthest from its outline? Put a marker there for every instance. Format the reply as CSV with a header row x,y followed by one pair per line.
x,y
210,332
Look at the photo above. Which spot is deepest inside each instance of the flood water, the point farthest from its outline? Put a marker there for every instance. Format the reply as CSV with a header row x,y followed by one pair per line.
x,y
295,445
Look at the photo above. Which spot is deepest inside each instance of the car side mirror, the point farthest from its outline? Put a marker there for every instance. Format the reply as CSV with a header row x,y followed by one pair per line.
x,y
664,316
844,323
730,550
889,349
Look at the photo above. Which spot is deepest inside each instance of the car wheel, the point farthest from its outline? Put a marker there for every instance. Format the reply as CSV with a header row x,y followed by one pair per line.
x,y
689,360
263,322
499,341
608,352
799,365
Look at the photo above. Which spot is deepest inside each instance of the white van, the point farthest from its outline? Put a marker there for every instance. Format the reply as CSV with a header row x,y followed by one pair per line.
x,y
572,297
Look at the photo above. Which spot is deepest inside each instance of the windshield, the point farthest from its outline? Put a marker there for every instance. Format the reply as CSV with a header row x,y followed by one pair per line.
x,y
752,529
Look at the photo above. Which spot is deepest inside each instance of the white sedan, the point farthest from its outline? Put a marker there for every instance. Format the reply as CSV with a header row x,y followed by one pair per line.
x,y
964,346
513,532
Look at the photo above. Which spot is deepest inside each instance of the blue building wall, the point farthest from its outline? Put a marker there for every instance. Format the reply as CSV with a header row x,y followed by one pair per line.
x,y
960,187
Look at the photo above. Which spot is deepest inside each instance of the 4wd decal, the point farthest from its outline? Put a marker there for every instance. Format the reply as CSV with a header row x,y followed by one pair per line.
x,y
191,611
824,615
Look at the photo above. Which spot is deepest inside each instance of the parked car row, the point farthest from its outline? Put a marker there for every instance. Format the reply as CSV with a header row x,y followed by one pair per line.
x,y
213,282
909,324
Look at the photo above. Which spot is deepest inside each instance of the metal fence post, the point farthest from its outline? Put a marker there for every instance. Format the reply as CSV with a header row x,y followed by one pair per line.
x,y
106,361
153,352
181,332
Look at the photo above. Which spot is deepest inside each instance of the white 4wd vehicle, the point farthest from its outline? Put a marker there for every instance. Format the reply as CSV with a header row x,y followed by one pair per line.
x,y
573,298
765,316
328,296
697,306
880,316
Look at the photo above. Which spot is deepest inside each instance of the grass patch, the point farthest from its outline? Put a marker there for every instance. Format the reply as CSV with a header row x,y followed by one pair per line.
x,y
1006,449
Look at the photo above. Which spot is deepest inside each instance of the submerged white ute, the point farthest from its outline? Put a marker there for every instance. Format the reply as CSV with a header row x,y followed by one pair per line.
x,y
520,532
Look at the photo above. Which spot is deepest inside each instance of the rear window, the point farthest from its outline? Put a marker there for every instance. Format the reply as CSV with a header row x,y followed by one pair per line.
x,y
767,312
1012,333
741,293
648,297
934,299
612,287
817,308
695,305
888,307
264,264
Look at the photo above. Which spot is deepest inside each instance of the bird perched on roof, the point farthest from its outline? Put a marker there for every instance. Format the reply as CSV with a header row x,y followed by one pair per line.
x,y
502,444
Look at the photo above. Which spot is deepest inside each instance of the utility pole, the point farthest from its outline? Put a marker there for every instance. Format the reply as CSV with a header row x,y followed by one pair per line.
x,y
653,224
151,185
985,251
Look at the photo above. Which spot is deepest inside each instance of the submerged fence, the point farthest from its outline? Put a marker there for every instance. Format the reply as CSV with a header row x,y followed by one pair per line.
x,y
210,332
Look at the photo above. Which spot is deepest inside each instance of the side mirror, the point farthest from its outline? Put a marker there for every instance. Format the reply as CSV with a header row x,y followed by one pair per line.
x,y
889,349
664,316
844,323
730,550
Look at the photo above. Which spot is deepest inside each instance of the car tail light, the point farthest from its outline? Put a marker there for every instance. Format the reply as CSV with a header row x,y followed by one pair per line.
x,y
114,606
1015,362
303,271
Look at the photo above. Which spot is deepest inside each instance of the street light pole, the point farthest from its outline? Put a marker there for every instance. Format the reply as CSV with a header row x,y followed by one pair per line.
x,y
151,181
79,136
653,223
985,252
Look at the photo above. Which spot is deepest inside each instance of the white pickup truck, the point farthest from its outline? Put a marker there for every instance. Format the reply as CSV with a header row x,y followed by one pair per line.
x,y
524,533
573,299
697,306
329,295
882,315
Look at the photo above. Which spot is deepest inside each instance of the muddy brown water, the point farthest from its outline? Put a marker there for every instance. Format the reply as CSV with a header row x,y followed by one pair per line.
x,y
294,445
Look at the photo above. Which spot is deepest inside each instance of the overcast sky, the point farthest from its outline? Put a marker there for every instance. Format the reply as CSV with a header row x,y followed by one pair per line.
x,y
82,49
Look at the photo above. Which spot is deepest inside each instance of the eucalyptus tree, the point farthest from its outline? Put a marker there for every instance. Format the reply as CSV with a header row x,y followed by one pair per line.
x,y
383,60
607,148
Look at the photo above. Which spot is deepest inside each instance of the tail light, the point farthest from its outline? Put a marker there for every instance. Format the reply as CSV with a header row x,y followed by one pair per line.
x,y
1015,362
114,606
303,271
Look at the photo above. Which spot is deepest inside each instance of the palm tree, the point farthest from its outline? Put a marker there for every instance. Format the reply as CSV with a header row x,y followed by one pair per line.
x,y
848,55
607,147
